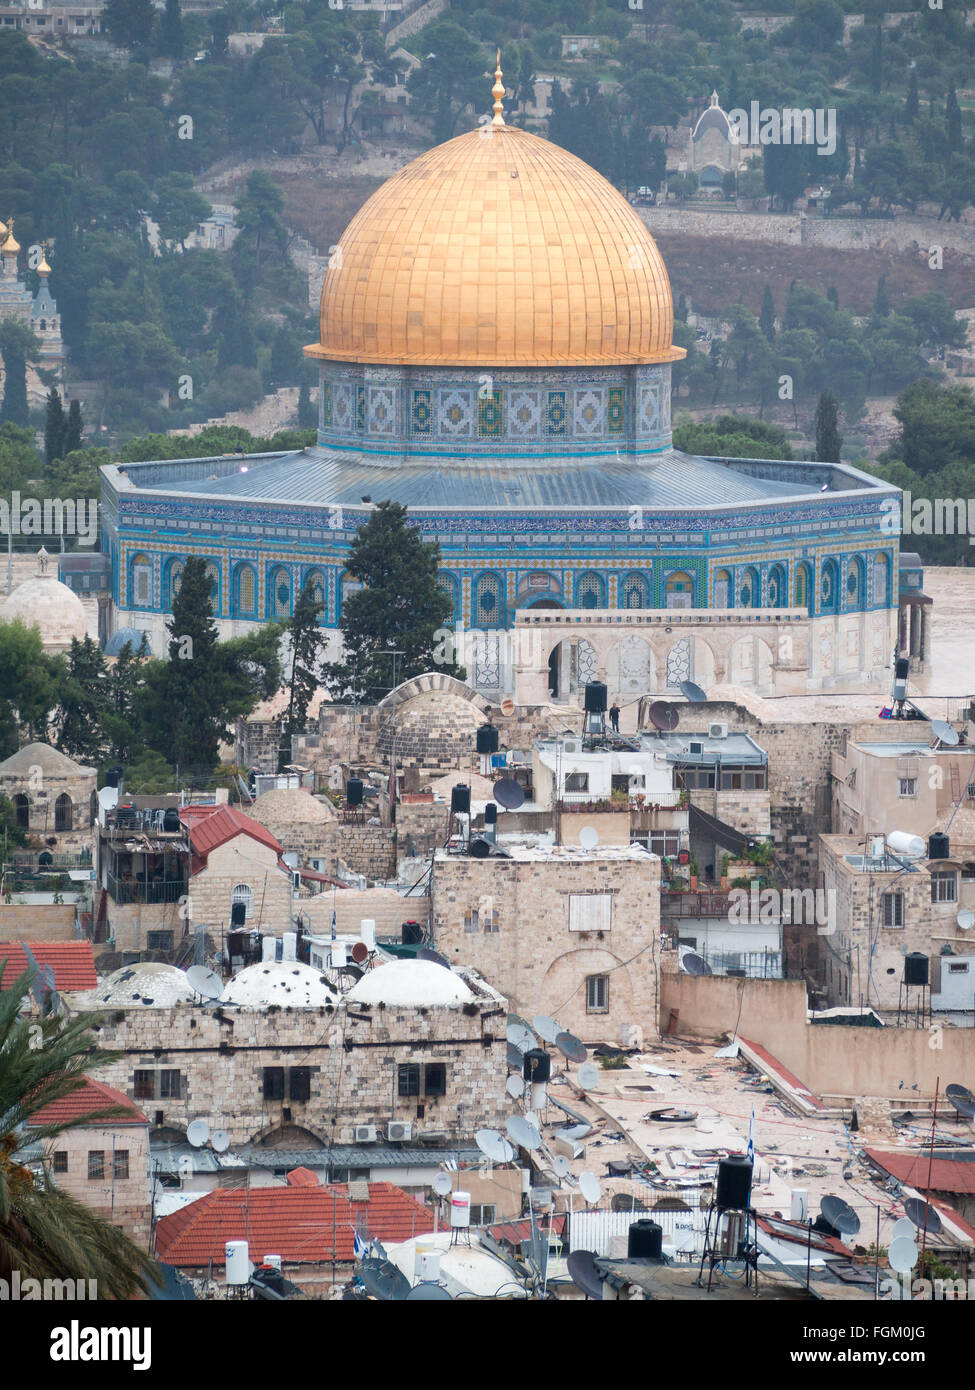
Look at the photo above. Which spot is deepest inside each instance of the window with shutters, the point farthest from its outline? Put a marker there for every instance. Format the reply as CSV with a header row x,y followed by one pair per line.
x,y
577,781
60,1161
274,1083
597,994
299,1083
944,888
435,1079
408,1079
590,911
892,909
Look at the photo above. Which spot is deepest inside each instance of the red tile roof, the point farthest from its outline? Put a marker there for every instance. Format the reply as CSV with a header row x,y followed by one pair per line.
x,y
93,1095
517,1232
72,962
302,1177
224,823
947,1175
296,1223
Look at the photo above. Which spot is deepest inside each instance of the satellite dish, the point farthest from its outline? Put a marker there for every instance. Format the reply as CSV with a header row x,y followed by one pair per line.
x,y
108,798
494,1146
523,1133
442,1184
434,957
581,1265
360,952
561,1166
840,1215
962,1099
220,1141
588,837
383,1280
290,859
428,1293
902,1255
546,1027
516,1057
509,793
479,849
205,981
663,716
693,964
923,1215
521,1037
507,706
944,733
515,1085
588,1076
693,693
197,1133
519,1022
571,1048
965,919
904,1228
590,1188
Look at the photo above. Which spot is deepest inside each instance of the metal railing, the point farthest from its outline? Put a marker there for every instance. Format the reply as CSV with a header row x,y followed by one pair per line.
x,y
136,890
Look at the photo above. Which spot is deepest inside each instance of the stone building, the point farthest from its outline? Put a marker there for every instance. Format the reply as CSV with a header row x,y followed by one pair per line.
x,y
713,148
43,602
104,1163
300,822
53,796
558,931
904,784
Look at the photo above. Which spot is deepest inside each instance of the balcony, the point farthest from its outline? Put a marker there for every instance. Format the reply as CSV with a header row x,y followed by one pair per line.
x,y
136,890
695,904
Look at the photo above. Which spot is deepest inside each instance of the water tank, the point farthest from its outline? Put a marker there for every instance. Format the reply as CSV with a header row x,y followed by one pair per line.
x,y
429,1271
238,1262
421,1251
289,945
411,933
915,968
734,1182
900,842
939,845
460,800
799,1207
171,820
113,777
269,948
367,931
537,1066
339,955
486,739
490,814
460,1209
353,791
595,697
644,1240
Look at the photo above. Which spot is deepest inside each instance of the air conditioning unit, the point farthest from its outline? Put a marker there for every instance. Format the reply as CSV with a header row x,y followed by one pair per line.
x,y
571,745
399,1130
695,746
366,1134
717,731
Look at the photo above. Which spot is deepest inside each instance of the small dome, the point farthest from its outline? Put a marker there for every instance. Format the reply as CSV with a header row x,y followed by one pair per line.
x,y
147,984
291,806
414,983
45,603
51,761
118,639
288,983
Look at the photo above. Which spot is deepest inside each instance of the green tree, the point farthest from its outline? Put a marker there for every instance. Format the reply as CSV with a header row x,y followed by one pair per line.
x,y
13,836
129,22
44,1232
452,76
766,318
305,636
911,103
29,681
400,607
83,700
18,345
74,430
55,427
178,208
953,121
937,428
307,414
881,303
828,439
731,436
172,36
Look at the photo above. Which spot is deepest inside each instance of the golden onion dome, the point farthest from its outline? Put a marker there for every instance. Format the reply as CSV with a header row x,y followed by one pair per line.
x,y
10,247
44,269
500,249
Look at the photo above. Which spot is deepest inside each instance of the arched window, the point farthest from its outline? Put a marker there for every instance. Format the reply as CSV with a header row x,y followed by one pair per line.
x,y
243,893
589,590
315,580
635,591
679,590
213,574
777,588
245,591
22,808
854,583
173,581
43,326
881,581
279,594
140,589
347,586
724,590
63,812
751,589
829,588
803,595
489,602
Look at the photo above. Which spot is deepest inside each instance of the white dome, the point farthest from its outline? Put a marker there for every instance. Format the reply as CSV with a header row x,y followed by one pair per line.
x,y
414,983
286,982
45,603
148,983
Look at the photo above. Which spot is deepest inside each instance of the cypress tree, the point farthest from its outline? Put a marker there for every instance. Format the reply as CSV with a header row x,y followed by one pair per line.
x,y
55,427
881,303
911,106
766,318
74,429
828,438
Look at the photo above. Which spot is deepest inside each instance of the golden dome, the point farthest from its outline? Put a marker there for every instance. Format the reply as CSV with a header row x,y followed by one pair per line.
x,y
497,248
10,247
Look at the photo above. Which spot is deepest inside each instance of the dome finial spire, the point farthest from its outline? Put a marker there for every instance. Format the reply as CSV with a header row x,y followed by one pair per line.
x,y
497,91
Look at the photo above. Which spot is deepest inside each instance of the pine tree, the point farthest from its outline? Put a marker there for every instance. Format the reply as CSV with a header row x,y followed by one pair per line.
x,y
911,106
306,651
192,680
877,59
881,303
55,427
172,37
681,311
766,318
833,295
307,414
953,120
18,344
828,438
83,702
74,430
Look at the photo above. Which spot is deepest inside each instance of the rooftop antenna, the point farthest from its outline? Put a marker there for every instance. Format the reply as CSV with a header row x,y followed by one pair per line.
x,y
944,734
961,1098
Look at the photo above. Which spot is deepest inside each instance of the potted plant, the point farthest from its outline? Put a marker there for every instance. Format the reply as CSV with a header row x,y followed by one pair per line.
x,y
692,867
725,861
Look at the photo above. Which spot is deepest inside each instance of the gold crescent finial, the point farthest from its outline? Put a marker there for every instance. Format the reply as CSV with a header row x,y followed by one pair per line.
x,y
497,91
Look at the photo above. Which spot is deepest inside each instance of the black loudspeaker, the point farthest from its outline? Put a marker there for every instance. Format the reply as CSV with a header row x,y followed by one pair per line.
x,y
238,914
645,1241
113,777
487,739
915,968
353,791
902,668
537,1066
490,814
734,1183
595,697
171,820
460,800
939,845
411,933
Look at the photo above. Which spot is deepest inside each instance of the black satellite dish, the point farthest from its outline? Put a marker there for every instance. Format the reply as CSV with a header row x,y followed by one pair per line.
x,y
693,964
428,1293
663,716
516,1058
425,953
479,849
962,1099
509,793
571,1048
924,1216
840,1215
351,972
693,693
581,1265
383,1280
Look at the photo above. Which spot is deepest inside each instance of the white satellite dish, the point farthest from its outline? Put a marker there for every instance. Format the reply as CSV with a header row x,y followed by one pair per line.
x,y
442,1184
494,1146
902,1254
291,860
944,733
197,1133
546,1027
588,1076
220,1141
561,1166
108,798
204,981
524,1133
590,1187
903,1229
588,837
966,919
515,1086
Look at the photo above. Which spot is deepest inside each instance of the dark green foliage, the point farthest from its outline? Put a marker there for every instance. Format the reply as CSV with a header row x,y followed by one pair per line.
x,y
305,635
732,436
828,440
